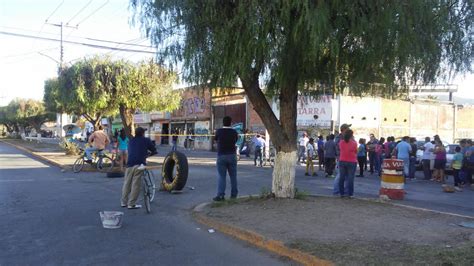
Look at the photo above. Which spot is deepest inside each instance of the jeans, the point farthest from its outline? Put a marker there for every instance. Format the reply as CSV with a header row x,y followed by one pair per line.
x,y
362,160
377,163
412,168
301,153
406,166
89,152
336,190
175,145
457,179
329,165
372,161
347,172
258,154
426,168
226,163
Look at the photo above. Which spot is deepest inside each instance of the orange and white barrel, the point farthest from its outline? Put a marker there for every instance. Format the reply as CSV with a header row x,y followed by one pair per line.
x,y
392,180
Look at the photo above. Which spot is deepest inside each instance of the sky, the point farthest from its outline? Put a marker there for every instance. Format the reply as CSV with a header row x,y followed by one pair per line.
x,y
25,63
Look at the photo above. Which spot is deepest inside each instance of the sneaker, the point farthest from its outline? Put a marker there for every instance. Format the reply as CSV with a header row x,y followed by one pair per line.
x,y
123,205
218,198
458,189
306,174
136,206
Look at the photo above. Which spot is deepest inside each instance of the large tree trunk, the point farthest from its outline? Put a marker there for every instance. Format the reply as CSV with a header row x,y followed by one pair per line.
x,y
126,115
95,121
282,132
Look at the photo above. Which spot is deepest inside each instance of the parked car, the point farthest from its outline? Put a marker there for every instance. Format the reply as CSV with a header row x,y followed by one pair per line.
x,y
450,151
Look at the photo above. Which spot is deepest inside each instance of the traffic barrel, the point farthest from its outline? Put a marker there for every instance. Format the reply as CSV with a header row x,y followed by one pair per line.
x,y
392,181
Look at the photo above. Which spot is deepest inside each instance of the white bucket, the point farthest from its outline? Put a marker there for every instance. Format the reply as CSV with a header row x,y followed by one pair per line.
x,y
111,219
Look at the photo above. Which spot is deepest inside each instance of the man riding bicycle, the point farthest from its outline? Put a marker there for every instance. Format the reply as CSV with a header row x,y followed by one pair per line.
x,y
99,141
138,148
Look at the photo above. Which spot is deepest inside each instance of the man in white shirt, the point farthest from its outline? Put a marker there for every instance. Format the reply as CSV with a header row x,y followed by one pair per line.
x,y
303,141
259,147
427,148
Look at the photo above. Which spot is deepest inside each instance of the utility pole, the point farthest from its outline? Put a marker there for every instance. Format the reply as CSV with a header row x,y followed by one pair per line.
x,y
61,55
60,119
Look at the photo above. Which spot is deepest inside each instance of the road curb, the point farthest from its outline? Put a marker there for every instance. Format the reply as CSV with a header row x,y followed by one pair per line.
x,y
256,239
34,154
389,202
55,163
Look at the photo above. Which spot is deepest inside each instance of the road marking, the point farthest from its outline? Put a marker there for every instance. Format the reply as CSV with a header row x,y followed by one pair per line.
x,y
17,180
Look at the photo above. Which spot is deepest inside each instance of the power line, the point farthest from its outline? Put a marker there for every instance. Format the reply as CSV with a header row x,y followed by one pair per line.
x,y
56,9
121,43
77,43
127,43
95,11
79,12
30,52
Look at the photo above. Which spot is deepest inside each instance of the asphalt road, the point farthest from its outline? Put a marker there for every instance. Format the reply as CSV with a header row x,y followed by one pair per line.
x,y
50,217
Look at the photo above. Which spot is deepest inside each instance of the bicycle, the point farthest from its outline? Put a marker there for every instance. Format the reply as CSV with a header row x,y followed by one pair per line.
x,y
102,161
149,188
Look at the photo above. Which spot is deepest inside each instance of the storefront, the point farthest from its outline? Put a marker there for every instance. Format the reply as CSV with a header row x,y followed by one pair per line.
x,y
143,120
160,127
192,119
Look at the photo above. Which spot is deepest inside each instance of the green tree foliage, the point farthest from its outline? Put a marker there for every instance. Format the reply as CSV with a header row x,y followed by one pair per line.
x,y
147,87
291,46
99,86
25,113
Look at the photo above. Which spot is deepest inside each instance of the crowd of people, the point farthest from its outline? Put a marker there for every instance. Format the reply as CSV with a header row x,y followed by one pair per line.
x,y
342,154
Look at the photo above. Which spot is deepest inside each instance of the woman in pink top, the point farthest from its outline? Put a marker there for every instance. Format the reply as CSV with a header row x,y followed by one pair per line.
x,y
347,162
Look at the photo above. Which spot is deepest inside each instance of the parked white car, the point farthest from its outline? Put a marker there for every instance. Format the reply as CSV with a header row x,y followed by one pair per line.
x,y
450,151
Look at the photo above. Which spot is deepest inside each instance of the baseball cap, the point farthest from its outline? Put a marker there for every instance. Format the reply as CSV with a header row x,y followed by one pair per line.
x,y
140,131
345,126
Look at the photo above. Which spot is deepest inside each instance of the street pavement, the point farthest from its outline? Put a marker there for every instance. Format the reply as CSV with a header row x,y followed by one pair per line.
x,y
51,217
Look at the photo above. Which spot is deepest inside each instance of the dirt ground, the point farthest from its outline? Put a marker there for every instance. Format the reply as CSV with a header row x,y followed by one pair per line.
x,y
355,232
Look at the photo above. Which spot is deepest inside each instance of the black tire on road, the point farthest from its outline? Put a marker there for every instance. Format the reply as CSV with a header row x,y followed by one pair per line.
x,y
112,174
78,165
175,163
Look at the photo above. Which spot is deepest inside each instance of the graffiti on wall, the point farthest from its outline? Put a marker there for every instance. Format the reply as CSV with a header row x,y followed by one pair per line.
x,y
194,105
202,131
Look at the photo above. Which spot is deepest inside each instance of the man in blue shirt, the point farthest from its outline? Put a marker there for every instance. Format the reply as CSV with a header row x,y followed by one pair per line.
x,y
226,138
403,150
138,148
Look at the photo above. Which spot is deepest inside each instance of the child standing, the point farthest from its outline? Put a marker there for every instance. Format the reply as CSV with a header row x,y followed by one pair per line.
x,y
361,156
457,164
309,158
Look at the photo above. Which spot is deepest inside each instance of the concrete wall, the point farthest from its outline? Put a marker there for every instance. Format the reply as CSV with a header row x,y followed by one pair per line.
x,y
362,113
394,118
464,122
195,104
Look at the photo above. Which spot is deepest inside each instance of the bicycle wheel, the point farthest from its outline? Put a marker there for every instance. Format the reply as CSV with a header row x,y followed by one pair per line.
x,y
78,165
105,164
150,182
146,196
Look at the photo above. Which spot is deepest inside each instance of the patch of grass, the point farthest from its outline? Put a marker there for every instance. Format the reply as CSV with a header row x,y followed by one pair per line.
x,y
301,195
217,204
387,253
266,193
